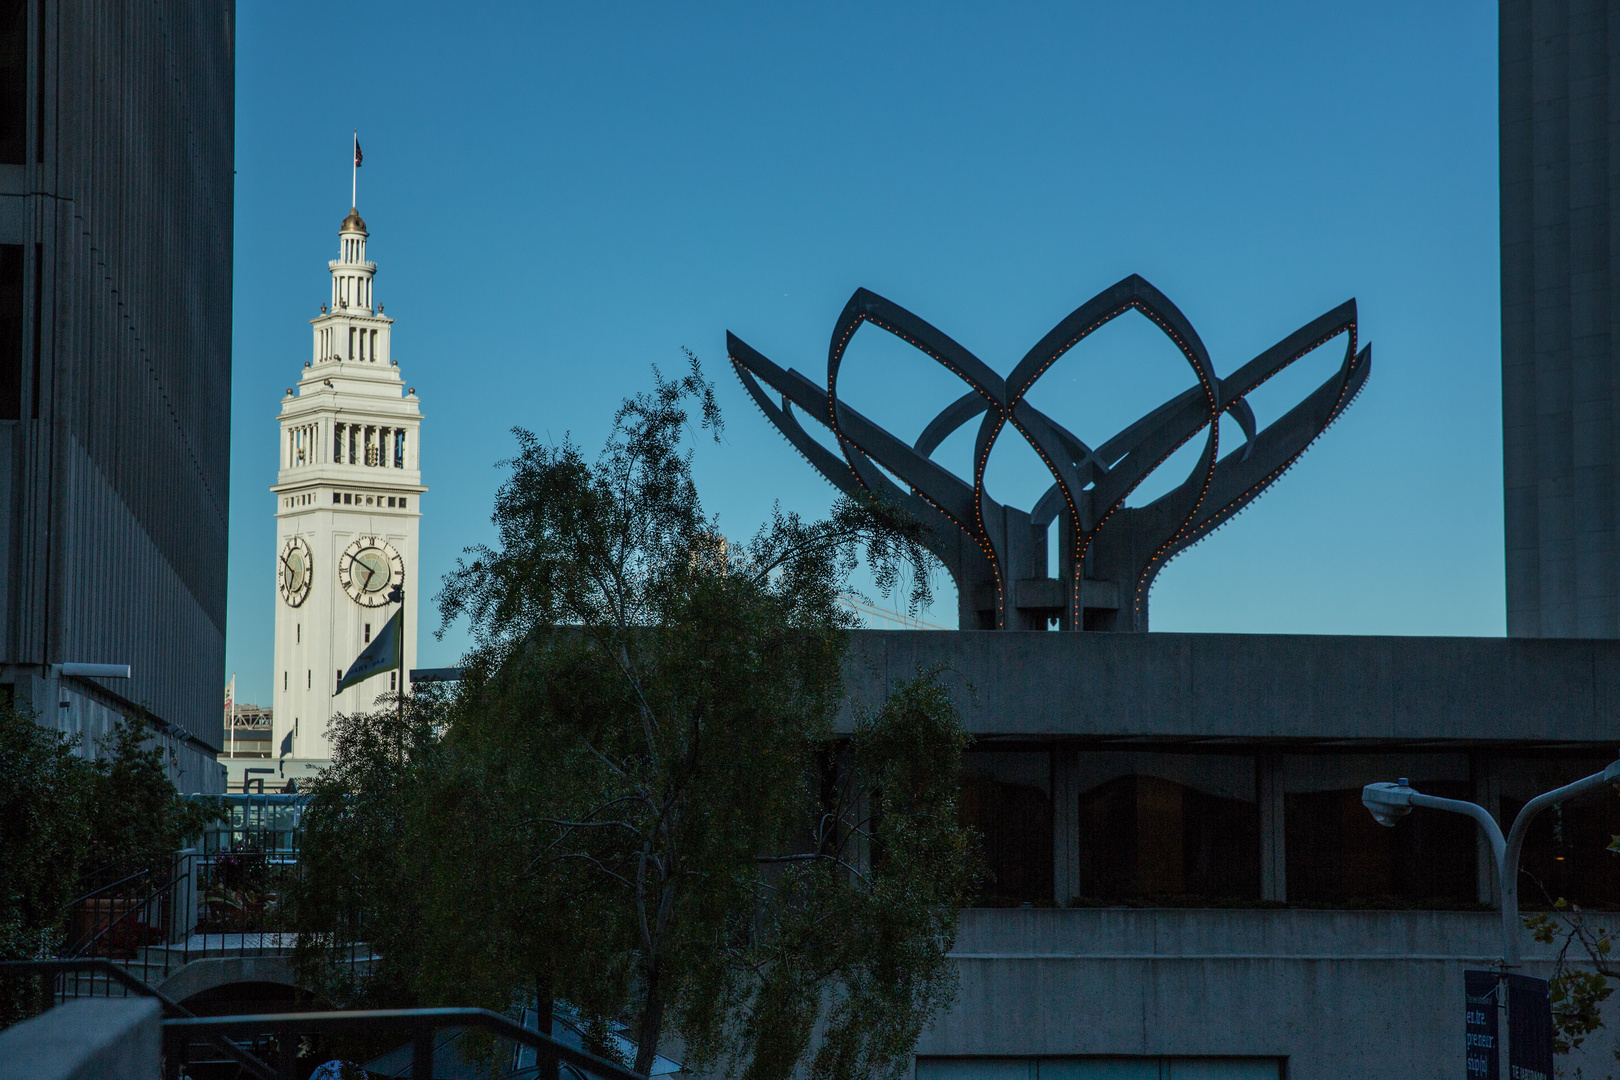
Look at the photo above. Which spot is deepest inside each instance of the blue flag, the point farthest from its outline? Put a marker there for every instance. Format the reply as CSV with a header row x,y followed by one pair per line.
x,y
380,656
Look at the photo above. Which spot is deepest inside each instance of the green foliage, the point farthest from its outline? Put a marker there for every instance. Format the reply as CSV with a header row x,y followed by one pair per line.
x,y
44,832
358,859
634,801
135,812
1577,995
61,814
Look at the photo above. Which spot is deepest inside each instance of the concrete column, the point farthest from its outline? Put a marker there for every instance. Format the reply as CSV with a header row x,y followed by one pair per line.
x,y
1269,794
1065,824
88,1039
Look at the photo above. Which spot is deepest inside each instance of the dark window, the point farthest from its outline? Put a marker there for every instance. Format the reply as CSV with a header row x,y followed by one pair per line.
x,y
402,503
1007,797
1181,829
11,331
1566,852
1337,855
13,81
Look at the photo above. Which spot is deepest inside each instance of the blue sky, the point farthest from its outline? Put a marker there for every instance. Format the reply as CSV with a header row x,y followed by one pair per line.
x,y
560,197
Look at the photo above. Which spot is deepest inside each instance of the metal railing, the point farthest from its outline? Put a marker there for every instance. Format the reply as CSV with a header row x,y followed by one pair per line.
x,y
105,973
205,904
418,1024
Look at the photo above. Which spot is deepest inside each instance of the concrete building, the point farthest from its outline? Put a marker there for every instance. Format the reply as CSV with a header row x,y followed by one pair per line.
x,y
348,502
1560,70
1183,881
116,154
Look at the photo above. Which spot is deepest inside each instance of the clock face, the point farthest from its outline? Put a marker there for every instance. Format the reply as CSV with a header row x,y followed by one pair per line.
x,y
369,570
295,571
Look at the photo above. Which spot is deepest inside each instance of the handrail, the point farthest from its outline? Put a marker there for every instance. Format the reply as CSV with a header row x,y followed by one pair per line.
x,y
106,967
420,1022
153,895
93,893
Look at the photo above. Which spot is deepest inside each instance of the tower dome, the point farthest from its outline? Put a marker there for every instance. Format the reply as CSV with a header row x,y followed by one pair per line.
x,y
354,223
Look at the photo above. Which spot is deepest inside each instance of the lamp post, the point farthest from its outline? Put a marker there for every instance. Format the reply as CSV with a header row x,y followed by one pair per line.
x,y
1388,803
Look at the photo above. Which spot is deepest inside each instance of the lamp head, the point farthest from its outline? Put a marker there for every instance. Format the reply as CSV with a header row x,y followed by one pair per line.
x,y
1387,802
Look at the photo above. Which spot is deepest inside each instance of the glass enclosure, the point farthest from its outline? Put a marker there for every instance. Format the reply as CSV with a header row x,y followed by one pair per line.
x,y
1007,797
262,823
1337,855
1566,853
1179,829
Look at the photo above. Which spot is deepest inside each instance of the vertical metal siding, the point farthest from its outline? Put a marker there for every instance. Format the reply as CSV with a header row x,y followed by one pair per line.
x,y
119,492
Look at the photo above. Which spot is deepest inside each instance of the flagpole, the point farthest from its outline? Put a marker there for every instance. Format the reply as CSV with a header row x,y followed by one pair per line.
x,y
354,174
400,646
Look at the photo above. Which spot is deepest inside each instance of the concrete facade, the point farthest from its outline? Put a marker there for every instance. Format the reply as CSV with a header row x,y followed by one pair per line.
x,y
1275,984
1260,688
115,329
1560,191
1312,994
93,1039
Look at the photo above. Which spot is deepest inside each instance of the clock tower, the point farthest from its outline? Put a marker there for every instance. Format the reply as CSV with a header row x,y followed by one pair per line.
x,y
348,499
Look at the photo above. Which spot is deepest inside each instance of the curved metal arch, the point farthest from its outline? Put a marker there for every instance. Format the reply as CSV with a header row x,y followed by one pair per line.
x,y
1089,485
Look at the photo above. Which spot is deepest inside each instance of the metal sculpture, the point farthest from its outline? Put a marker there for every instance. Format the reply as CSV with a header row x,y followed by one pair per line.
x,y
1109,553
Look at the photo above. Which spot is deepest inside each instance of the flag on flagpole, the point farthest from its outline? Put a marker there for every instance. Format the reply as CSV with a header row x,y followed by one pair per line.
x,y
359,158
380,656
230,693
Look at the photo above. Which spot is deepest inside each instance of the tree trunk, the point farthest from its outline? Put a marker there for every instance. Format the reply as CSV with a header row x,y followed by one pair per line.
x,y
652,1019
544,1007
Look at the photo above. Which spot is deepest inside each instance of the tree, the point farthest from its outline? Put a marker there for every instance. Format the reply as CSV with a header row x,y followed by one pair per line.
x,y
62,815
136,813
635,801
44,833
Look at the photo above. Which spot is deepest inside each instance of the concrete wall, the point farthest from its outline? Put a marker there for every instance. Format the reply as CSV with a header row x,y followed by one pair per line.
x,y
105,1039
1365,994
1559,75
1258,687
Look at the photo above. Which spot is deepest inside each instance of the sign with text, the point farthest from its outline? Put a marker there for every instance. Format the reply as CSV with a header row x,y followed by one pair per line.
x,y
1530,1029
1481,989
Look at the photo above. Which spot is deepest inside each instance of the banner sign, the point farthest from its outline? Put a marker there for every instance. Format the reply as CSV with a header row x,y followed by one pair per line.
x,y
1530,1029
1483,1061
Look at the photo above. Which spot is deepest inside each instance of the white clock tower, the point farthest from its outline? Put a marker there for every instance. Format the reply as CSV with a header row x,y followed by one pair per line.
x,y
348,499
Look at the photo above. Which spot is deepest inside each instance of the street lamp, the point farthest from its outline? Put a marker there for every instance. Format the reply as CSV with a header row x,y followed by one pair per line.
x,y
1388,803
